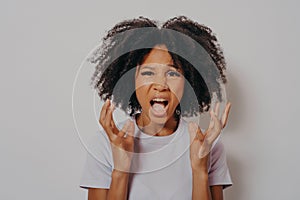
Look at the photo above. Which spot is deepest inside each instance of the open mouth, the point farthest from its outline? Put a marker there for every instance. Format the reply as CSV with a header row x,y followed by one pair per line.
x,y
159,101
159,107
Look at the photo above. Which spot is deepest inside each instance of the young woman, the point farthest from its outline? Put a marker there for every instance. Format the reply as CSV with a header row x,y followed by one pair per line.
x,y
158,155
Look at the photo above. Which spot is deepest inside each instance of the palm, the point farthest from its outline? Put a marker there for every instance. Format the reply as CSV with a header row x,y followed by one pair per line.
x,y
201,143
122,142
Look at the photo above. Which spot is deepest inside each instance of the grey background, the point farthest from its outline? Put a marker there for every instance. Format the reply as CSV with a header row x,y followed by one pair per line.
x,y
44,42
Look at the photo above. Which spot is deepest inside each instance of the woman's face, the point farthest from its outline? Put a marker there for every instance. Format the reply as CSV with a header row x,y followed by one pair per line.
x,y
159,86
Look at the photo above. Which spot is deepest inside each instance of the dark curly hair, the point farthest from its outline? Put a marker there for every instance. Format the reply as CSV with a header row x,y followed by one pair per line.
x,y
117,56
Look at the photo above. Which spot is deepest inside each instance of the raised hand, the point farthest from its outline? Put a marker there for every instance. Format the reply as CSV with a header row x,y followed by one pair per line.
x,y
201,143
122,141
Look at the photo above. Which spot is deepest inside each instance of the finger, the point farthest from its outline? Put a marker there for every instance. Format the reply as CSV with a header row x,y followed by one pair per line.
x,y
110,134
211,122
205,149
192,127
217,108
225,114
103,112
216,121
109,117
114,127
123,131
200,135
215,131
130,131
104,121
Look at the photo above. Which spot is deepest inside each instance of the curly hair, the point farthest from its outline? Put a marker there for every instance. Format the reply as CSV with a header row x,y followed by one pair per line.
x,y
116,57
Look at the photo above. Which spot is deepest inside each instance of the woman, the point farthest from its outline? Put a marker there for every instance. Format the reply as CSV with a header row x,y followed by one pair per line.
x,y
147,158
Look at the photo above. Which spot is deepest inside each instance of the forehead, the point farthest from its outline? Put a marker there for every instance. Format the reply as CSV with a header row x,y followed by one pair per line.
x,y
158,55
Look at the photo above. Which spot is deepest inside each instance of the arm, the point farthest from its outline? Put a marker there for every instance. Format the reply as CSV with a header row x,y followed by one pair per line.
x,y
97,193
121,142
200,147
201,189
200,186
216,192
118,188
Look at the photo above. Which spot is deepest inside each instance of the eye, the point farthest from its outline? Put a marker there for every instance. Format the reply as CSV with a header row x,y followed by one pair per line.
x,y
174,74
147,73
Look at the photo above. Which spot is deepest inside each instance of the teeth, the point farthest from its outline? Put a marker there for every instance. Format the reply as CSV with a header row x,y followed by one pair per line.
x,y
159,100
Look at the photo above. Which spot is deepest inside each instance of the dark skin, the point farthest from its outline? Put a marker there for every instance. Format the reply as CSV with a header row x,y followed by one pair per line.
x,y
199,147
122,141
96,193
111,63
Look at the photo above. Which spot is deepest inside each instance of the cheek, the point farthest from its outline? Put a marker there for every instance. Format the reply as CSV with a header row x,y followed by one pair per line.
x,y
140,94
140,89
142,81
139,82
138,85
178,89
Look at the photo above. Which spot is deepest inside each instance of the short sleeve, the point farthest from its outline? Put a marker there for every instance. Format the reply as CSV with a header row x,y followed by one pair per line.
x,y
98,168
219,173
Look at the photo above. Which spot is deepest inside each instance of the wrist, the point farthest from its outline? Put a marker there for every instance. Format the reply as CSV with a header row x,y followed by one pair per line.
x,y
200,178
201,173
201,165
200,168
119,174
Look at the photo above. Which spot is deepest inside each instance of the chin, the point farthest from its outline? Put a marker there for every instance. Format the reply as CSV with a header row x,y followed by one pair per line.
x,y
161,121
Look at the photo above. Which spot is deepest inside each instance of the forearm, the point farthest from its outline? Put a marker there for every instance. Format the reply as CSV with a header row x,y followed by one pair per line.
x,y
119,186
200,186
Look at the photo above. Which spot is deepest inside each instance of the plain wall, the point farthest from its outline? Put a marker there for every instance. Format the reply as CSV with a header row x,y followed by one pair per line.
x,y
44,42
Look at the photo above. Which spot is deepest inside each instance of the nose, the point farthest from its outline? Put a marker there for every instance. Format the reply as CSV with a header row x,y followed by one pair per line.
x,y
160,83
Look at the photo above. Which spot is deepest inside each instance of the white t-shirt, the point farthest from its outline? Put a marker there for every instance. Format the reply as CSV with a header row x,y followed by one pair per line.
x,y
161,169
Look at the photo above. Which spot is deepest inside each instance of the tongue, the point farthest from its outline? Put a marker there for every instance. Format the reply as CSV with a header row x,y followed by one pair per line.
x,y
159,109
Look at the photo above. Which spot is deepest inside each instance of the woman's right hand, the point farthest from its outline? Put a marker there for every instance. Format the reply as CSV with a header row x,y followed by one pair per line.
x,y
122,141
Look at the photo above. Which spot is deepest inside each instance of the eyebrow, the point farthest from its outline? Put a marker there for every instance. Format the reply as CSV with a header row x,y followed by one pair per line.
x,y
146,66
150,67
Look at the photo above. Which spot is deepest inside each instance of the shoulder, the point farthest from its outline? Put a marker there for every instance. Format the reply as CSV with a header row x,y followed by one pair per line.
x,y
99,163
218,148
217,156
98,147
218,170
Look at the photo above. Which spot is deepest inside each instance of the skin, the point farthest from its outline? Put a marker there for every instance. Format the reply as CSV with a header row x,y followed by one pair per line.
x,y
159,82
158,78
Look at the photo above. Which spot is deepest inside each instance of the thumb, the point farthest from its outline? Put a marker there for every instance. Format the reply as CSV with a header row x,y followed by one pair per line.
x,y
130,129
192,127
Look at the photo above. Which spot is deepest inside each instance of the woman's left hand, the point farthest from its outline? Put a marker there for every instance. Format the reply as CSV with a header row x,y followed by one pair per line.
x,y
201,143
